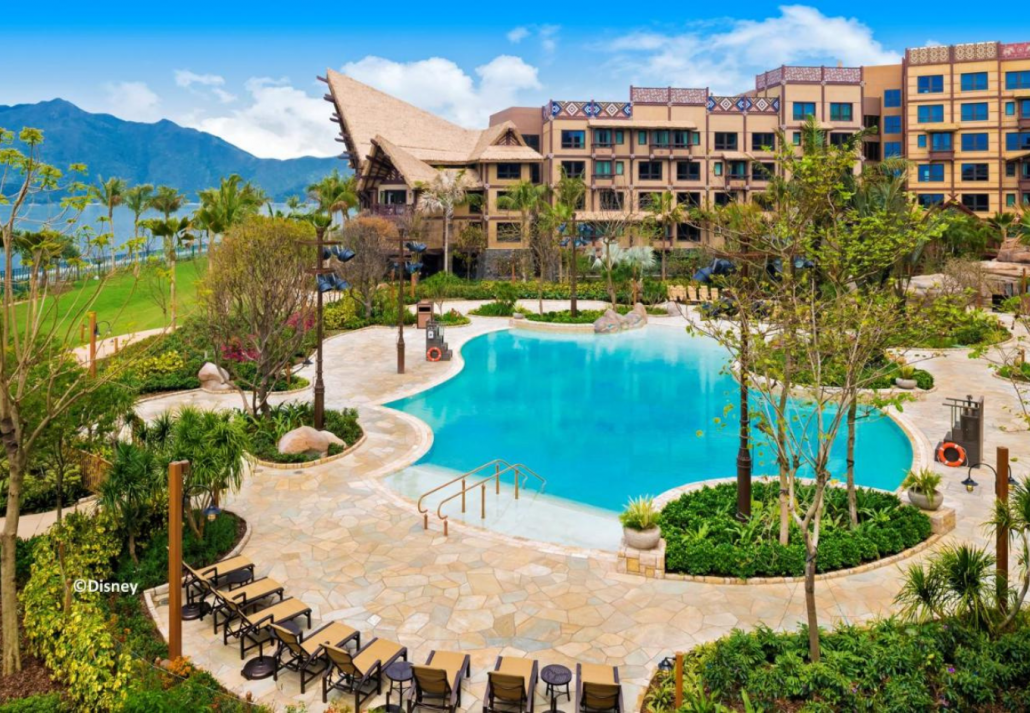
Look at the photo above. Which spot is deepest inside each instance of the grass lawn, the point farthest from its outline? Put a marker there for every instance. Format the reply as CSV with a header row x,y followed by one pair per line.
x,y
125,303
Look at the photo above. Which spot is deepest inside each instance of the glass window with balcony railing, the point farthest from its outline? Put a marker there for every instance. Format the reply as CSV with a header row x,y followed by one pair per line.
x,y
607,138
736,169
608,168
941,142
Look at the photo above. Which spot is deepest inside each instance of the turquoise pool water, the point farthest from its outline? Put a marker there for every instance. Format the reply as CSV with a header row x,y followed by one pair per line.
x,y
607,418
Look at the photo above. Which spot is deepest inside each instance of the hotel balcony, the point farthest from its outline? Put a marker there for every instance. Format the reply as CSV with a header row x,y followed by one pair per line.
x,y
941,155
390,210
1024,122
1024,184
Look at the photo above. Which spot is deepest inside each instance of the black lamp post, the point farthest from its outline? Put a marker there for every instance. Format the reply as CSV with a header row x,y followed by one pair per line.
x,y
401,234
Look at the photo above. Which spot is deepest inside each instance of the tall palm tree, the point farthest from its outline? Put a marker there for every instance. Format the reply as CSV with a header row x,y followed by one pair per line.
x,y
664,213
231,203
335,194
167,200
526,197
569,193
109,193
447,190
137,199
172,232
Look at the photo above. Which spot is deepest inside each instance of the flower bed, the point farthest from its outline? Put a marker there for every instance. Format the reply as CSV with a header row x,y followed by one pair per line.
x,y
264,433
703,537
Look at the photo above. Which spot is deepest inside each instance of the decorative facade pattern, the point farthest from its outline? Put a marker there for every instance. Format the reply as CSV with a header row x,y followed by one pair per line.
x,y
929,55
744,103
974,51
969,52
802,74
668,95
844,75
588,110
1015,50
837,75
769,79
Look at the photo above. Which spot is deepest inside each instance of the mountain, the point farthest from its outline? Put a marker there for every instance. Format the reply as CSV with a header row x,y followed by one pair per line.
x,y
163,153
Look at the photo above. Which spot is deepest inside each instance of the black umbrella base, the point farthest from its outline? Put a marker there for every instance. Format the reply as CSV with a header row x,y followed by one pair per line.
x,y
197,610
259,667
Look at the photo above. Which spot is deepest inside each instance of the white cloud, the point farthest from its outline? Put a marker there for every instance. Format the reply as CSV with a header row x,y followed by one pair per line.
x,y
441,86
281,122
727,58
546,34
186,78
517,35
134,101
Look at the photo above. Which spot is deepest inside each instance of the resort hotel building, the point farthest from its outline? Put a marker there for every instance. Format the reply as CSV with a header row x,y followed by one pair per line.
x,y
959,114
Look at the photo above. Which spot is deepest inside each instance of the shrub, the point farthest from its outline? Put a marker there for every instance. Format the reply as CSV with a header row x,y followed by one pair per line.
x,y
265,432
944,322
452,318
1016,372
704,538
494,309
640,514
40,703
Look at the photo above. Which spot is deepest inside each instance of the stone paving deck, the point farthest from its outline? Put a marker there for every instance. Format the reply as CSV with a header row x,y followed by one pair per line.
x,y
355,551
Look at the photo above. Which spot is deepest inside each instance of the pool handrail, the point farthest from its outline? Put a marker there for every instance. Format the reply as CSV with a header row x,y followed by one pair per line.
x,y
425,513
519,469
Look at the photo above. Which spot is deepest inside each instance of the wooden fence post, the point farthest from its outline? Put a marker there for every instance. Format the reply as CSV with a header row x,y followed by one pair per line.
x,y
176,471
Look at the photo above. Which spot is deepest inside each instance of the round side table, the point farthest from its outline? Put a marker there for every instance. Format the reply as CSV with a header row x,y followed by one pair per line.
x,y
400,673
556,676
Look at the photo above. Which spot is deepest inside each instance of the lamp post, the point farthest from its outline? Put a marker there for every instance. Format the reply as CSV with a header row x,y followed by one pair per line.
x,y
401,234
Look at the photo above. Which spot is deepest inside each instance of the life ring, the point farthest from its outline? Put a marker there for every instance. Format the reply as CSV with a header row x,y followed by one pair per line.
x,y
957,459
433,354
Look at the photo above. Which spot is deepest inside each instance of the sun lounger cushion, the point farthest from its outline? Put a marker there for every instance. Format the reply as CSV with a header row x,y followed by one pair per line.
x,y
255,590
331,635
382,650
596,673
519,667
282,611
224,567
452,663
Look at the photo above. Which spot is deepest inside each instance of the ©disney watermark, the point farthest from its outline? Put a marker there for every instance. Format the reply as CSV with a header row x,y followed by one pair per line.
x,y
96,585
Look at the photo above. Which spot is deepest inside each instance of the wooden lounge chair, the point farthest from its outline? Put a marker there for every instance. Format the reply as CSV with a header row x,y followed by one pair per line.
x,y
252,628
360,673
511,686
306,654
598,689
246,597
438,684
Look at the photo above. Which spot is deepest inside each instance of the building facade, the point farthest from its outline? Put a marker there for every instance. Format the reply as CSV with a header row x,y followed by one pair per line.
x,y
959,114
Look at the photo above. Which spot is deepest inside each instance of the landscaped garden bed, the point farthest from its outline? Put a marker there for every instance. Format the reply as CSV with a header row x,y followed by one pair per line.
x,y
703,538
945,322
264,432
878,374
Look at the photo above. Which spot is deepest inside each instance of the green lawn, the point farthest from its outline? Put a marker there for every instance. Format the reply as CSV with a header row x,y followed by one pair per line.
x,y
125,303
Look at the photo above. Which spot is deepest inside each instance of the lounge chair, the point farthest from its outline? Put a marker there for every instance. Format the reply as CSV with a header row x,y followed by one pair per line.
x,y
251,628
232,572
598,689
438,684
246,597
511,686
360,673
306,654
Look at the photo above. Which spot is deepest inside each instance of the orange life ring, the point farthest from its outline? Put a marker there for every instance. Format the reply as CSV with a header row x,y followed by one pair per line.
x,y
433,354
959,458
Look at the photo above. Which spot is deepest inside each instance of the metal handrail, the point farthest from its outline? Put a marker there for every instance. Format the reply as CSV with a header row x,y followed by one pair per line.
x,y
519,469
425,513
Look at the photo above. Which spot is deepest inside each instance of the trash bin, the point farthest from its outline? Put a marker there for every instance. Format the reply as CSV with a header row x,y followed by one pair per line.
x,y
424,313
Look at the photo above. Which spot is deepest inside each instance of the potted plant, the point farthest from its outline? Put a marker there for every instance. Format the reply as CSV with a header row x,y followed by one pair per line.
x,y
922,489
906,377
640,524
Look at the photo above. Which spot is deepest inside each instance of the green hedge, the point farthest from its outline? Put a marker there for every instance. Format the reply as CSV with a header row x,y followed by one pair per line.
x,y
886,666
588,288
704,538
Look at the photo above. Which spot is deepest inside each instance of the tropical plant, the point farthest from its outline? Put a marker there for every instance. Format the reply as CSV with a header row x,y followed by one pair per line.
x,y
664,213
569,195
230,204
110,194
640,514
137,199
335,194
173,232
447,190
132,490
924,481
1013,517
527,198
957,582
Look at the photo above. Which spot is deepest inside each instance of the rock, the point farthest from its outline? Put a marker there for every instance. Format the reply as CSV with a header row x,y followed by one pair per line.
x,y
672,309
214,378
1013,250
333,439
608,322
307,440
636,318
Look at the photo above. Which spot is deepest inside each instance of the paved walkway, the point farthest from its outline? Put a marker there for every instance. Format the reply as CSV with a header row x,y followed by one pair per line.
x,y
355,551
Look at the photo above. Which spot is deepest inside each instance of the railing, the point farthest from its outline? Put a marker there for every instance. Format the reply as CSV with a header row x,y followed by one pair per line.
x,y
520,471
98,266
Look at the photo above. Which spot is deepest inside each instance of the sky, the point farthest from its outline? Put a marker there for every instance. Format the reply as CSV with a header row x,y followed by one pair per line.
x,y
247,71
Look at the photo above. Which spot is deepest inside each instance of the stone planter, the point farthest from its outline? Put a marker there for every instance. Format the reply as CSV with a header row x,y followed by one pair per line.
x,y
905,383
642,539
925,503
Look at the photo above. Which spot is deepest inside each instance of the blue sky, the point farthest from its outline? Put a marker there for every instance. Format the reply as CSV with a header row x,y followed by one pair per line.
x,y
246,72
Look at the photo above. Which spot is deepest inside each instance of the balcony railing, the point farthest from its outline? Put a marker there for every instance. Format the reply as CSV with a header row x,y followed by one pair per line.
x,y
942,154
390,209
1024,122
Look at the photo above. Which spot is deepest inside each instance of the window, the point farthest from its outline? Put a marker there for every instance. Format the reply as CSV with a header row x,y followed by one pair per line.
x,y
803,110
602,168
763,142
892,124
891,149
393,197
641,138
892,98
603,138
839,139
646,200
534,173
974,81
871,150
1024,108
978,202
574,169
795,138
649,170
688,171
930,114
723,198
1010,169
532,141
573,139
1010,200
725,141
688,200
974,112
660,139
612,200
1017,80
717,168
871,121
1017,141
930,84
974,172
509,233
930,199
974,142
681,138
840,111
1010,108
763,171
688,233
931,173
941,142
737,169
921,141
509,171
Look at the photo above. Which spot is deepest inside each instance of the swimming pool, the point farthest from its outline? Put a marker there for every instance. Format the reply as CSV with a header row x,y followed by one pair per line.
x,y
607,418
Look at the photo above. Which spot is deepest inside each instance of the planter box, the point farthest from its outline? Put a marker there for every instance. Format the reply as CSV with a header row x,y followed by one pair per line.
x,y
643,563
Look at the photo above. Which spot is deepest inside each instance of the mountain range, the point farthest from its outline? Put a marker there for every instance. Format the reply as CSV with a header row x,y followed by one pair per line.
x,y
162,153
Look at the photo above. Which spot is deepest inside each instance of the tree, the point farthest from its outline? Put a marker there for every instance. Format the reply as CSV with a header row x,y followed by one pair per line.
x,y
447,190
132,489
371,239
230,204
335,194
665,214
137,199
526,198
110,194
173,232
258,300
569,197
469,245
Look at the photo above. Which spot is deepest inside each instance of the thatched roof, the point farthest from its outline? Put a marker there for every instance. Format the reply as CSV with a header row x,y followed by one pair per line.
x,y
385,155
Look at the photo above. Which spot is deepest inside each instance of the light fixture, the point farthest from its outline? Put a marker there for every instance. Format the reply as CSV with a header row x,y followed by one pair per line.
x,y
667,664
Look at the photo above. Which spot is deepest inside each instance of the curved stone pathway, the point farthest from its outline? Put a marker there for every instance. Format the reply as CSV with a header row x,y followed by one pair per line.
x,y
354,551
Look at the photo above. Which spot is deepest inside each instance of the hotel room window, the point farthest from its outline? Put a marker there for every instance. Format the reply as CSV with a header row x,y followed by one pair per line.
x,y
509,171
891,149
977,202
941,142
891,125
892,98
921,141
931,173
602,168
642,138
1010,200
532,141
574,169
1017,141
975,172
974,142
660,139
763,142
717,168
689,200
1017,80
803,110
612,200
573,139
1010,169
723,198
620,137
681,139
974,81
737,169
689,233
602,138
534,173
930,199
840,111
975,111
763,171
688,171
645,200
839,138
725,141
795,138
930,114
930,84
649,170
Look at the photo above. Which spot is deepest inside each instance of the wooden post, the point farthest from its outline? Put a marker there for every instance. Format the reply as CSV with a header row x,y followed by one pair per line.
x,y
176,471
1001,545
678,693
92,343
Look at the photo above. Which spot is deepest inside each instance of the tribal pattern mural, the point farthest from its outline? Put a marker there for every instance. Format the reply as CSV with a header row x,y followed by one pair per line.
x,y
1016,50
588,110
744,104
835,75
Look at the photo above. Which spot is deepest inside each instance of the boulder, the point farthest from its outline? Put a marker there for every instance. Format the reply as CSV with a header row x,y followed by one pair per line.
x,y
333,439
672,309
214,378
307,440
636,318
610,321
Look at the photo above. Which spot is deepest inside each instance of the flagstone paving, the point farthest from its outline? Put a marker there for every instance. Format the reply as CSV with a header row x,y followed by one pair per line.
x,y
355,551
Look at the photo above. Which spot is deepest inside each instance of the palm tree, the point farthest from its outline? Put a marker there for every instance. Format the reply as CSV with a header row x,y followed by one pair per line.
x,y
131,488
167,200
526,198
447,190
109,193
570,192
958,582
231,203
664,213
335,194
172,232
137,199
1013,515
